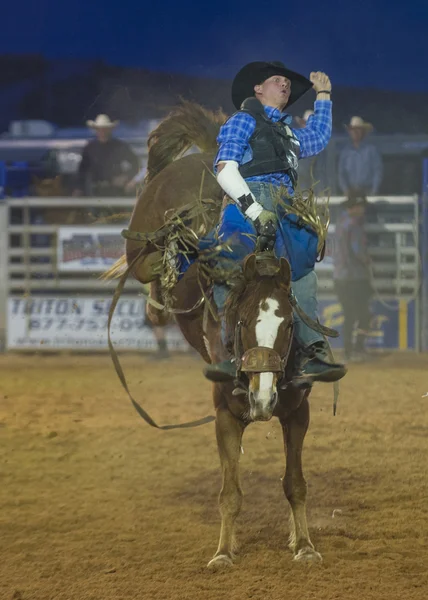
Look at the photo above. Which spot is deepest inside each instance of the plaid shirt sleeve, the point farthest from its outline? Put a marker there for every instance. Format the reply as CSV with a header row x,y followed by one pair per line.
x,y
234,137
315,136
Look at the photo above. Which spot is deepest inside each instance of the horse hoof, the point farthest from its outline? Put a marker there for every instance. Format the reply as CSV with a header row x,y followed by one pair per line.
x,y
308,555
222,561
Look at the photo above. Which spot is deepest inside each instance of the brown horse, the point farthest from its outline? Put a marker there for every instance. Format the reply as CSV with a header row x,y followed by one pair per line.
x,y
259,315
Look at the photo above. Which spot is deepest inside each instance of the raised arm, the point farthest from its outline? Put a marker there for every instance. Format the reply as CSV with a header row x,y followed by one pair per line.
x,y
315,136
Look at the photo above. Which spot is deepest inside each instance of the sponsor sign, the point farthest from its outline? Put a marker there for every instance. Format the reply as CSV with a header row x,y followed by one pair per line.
x,y
392,325
81,324
92,249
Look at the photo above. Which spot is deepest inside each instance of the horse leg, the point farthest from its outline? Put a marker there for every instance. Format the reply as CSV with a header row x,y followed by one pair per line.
x,y
294,429
229,432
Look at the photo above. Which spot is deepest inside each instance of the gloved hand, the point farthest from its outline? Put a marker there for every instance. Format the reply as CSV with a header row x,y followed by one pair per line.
x,y
266,224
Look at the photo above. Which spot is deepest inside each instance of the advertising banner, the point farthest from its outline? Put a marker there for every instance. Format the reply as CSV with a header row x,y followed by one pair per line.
x,y
92,249
81,324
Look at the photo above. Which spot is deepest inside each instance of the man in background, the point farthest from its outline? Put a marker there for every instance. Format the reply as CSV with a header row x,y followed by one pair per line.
x,y
360,164
107,164
137,180
352,279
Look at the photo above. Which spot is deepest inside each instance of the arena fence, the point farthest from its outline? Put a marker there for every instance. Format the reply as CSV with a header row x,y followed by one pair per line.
x,y
53,251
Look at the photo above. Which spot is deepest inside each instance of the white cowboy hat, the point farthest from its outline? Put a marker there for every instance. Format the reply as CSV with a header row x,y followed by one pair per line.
x,y
359,123
303,120
102,121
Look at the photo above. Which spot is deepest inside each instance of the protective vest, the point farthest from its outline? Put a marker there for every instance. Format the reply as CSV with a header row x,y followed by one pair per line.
x,y
274,146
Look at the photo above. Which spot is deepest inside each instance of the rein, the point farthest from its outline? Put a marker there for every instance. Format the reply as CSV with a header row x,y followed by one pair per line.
x,y
315,325
140,410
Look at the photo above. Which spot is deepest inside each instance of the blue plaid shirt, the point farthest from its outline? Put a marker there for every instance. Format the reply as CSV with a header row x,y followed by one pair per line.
x,y
234,136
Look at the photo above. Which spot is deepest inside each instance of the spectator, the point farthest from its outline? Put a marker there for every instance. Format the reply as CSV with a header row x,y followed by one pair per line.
x,y
312,171
138,179
301,121
107,163
352,274
360,164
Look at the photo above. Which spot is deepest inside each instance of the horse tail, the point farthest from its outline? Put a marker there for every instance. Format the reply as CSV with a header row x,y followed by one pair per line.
x,y
116,270
187,125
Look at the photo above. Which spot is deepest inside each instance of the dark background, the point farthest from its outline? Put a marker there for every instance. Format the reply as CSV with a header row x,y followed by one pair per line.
x,y
66,62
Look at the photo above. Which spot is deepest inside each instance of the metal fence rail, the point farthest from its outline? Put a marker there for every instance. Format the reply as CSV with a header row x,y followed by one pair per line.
x,y
28,269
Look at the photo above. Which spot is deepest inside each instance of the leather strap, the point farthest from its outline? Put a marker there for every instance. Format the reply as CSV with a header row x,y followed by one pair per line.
x,y
315,325
140,410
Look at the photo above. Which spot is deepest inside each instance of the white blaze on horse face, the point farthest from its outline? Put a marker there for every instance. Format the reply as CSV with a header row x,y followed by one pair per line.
x,y
266,333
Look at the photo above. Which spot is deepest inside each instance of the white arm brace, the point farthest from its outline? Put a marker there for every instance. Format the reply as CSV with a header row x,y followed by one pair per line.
x,y
235,186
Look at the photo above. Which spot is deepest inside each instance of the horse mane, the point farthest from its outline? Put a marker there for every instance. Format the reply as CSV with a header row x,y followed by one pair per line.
x,y
187,125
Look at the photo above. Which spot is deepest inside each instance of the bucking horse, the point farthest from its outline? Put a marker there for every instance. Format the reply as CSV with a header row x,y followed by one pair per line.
x,y
259,312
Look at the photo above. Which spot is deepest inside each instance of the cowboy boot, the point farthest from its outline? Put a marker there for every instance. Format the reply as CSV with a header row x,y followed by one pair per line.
x,y
221,372
313,363
224,370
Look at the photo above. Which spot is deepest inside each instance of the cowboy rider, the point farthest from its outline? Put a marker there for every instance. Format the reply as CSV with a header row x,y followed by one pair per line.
x,y
257,156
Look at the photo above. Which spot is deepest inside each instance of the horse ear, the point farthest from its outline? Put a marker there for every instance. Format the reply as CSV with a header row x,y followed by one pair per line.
x,y
250,267
285,271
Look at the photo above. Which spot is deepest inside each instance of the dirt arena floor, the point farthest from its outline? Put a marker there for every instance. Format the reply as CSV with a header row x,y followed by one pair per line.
x,y
96,505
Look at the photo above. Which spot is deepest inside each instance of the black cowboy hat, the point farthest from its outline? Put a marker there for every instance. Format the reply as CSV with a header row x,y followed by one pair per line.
x,y
257,72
